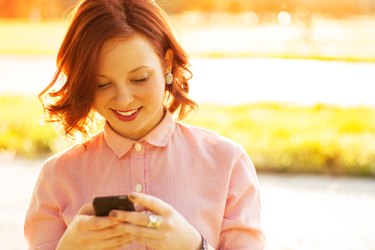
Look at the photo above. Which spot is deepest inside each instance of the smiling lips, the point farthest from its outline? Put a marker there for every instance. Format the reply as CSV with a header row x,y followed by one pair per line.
x,y
127,116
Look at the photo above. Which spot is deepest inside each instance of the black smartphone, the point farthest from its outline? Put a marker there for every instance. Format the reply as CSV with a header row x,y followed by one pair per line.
x,y
104,204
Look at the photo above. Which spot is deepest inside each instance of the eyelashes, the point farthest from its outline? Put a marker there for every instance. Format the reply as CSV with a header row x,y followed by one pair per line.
x,y
106,85
103,85
140,80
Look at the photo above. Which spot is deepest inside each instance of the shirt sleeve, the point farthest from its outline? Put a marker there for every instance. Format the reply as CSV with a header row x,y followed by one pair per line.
x,y
241,223
44,226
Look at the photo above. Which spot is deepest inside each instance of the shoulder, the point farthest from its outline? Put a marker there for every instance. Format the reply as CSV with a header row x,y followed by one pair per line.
x,y
205,135
209,141
73,155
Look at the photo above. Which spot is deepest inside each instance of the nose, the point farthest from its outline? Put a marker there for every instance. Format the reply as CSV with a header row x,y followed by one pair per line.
x,y
124,94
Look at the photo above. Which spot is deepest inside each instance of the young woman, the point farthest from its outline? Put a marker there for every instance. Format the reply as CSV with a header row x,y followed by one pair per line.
x,y
193,189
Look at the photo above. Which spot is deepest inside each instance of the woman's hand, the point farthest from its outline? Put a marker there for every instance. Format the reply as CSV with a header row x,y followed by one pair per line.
x,y
90,232
174,231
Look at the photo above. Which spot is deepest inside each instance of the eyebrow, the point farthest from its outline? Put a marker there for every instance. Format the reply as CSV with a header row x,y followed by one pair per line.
x,y
131,71
136,69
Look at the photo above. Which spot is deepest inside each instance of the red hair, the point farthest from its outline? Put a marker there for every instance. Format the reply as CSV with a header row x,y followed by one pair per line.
x,y
94,22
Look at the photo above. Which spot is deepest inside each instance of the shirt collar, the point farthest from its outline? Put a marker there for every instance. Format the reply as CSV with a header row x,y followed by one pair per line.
x,y
158,137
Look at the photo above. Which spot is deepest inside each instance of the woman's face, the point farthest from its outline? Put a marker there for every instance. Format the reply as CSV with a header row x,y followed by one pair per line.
x,y
130,86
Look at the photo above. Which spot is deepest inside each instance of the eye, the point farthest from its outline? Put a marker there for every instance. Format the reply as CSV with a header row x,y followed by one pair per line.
x,y
140,79
103,85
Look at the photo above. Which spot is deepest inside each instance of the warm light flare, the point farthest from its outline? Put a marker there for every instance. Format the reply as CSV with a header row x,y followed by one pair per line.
x,y
251,18
284,18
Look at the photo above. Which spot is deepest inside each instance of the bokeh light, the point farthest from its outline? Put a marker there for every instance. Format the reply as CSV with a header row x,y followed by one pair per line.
x,y
284,18
251,18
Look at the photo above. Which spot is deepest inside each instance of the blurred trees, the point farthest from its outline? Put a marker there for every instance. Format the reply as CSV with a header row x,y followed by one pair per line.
x,y
335,8
34,9
47,9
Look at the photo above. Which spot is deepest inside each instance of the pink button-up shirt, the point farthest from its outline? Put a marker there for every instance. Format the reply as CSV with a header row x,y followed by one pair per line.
x,y
208,179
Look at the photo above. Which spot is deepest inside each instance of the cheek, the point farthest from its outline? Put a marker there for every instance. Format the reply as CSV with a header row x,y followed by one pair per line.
x,y
156,89
98,101
153,95
96,106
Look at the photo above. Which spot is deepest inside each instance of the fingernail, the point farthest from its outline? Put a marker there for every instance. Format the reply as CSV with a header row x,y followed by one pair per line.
x,y
113,214
131,196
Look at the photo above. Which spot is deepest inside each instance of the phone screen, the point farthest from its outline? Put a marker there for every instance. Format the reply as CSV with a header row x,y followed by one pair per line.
x,y
103,205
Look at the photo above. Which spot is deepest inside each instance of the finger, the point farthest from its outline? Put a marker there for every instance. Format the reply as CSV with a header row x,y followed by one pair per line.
x,y
118,242
137,218
140,232
111,243
87,209
150,202
93,223
154,243
106,234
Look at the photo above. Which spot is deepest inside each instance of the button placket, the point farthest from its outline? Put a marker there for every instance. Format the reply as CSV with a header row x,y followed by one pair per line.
x,y
138,167
138,147
138,187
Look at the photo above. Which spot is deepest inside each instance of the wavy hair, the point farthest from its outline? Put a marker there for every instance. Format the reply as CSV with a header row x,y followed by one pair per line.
x,y
68,99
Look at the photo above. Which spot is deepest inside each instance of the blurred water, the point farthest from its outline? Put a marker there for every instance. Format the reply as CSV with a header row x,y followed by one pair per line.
x,y
234,80
294,81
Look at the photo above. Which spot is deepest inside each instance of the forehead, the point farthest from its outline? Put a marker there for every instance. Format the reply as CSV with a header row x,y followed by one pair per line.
x,y
127,51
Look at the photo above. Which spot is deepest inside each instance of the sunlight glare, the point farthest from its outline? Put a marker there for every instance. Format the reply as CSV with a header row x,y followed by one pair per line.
x,y
251,18
284,18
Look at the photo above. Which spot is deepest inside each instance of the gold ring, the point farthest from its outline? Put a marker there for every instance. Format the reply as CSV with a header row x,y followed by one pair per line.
x,y
154,221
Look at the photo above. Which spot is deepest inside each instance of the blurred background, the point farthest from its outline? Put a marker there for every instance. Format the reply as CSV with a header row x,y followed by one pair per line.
x,y
291,80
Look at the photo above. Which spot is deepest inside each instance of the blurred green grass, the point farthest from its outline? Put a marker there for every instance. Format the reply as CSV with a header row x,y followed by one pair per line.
x,y
279,137
21,132
286,138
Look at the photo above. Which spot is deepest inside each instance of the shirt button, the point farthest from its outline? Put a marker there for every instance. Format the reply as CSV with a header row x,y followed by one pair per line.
x,y
138,147
138,188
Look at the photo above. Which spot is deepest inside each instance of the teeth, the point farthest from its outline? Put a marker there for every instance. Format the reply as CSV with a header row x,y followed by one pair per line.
x,y
128,113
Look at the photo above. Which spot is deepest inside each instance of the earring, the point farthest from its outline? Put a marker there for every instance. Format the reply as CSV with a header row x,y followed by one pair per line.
x,y
169,78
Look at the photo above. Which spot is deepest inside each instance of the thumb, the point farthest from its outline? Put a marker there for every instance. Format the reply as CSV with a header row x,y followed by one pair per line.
x,y
91,222
87,209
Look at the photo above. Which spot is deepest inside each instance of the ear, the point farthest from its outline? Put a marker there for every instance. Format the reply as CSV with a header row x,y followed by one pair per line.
x,y
168,61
